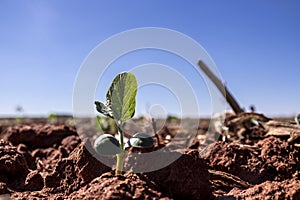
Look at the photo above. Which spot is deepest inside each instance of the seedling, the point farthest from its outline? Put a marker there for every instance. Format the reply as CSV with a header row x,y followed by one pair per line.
x,y
120,106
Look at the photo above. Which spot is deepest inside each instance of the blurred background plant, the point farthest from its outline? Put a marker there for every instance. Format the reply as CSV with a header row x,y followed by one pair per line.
x,y
106,125
19,114
52,118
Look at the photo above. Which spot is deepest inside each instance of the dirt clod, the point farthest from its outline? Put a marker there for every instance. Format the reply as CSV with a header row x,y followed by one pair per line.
x,y
266,160
37,136
12,163
126,187
74,171
269,190
34,181
3,188
187,177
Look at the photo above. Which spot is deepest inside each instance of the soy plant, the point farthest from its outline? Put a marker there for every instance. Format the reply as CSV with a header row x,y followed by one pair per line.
x,y
120,106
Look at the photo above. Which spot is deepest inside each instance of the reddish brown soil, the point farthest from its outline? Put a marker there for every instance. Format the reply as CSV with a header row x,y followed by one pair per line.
x,y
270,159
51,162
269,190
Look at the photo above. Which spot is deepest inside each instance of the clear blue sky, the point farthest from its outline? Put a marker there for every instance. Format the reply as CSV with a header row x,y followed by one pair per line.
x,y
255,45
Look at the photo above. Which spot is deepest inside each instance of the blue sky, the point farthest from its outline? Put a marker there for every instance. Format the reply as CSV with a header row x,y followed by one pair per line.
x,y
255,45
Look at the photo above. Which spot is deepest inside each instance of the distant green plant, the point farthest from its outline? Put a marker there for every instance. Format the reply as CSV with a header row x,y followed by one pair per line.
x,y
120,106
52,118
105,124
171,118
297,119
18,120
19,110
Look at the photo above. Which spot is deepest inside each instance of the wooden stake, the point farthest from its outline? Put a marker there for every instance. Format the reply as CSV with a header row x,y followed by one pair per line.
x,y
226,94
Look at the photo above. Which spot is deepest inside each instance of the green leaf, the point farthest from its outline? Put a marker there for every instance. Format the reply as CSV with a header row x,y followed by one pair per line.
x,y
140,140
103,109
107,145
120,98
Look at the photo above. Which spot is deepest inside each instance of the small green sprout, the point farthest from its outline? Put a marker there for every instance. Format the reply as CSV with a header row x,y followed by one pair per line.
x,y
297,119
120,106
52,118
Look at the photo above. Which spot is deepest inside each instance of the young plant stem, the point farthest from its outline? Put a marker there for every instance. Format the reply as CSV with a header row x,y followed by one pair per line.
x,y
120,156
120,162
